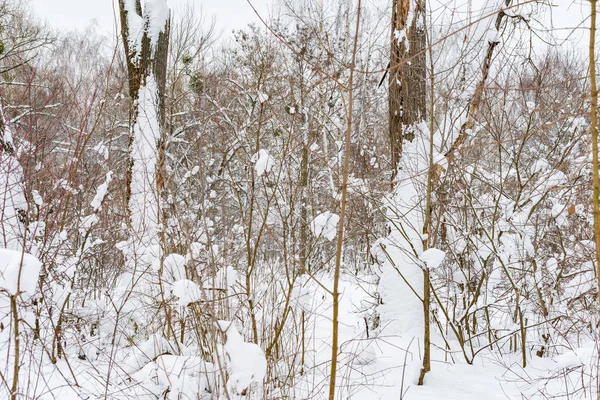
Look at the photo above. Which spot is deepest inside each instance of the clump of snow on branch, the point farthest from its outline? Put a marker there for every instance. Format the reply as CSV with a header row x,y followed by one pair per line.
x,y
101,192
186,291
325,224
263,162
433,257
157,12
135,25
153,22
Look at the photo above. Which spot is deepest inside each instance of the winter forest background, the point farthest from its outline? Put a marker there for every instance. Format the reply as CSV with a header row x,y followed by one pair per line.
x,y
385,199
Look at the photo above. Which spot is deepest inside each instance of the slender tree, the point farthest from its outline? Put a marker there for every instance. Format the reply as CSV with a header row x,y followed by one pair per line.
x,y
594,132
343,202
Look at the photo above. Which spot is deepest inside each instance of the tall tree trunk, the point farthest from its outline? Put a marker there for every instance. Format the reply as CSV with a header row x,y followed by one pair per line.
x,y
407,101
407,74
146,60
145,35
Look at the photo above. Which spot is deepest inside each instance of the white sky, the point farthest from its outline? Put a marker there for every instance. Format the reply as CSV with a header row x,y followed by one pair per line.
x,y
78,14
230,14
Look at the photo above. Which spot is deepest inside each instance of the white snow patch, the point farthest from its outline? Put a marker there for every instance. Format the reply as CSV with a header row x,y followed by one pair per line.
x,y
174,268
433,257
101,192
19,272
135,23
262,97
101,149
37,199
187,291
325,224
157,14
246,362
264,162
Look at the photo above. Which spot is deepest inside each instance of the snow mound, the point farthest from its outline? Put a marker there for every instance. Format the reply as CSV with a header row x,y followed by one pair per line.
x,y
187,291
177,377
145,352
246,362
19,272
174,268
433,257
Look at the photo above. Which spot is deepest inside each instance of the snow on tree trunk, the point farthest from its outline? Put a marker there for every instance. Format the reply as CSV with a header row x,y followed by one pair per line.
x,y
13,205
406,99
401,279
143,200
145,37
141,34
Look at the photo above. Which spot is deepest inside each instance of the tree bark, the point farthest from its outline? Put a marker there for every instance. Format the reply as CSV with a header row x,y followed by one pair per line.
x,y
140,64
407,74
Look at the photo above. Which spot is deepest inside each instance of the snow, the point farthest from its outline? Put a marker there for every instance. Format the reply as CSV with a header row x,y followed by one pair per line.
x,y
12,202
227,277
401,277
187,292
177,377
146,352
157,12
88,221
143,202
556,178
101,149
101,192
499,220
7,136
19,272
264,162
246,362
433,257
37,198
399,35
173,267
135,24
539,165
325,224
262,97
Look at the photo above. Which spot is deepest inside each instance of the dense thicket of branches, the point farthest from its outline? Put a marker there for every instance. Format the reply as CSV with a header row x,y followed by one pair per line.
x,y
489,155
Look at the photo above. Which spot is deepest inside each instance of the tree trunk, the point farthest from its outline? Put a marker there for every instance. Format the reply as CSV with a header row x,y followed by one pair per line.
x,y
147,70
140,64
407,74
